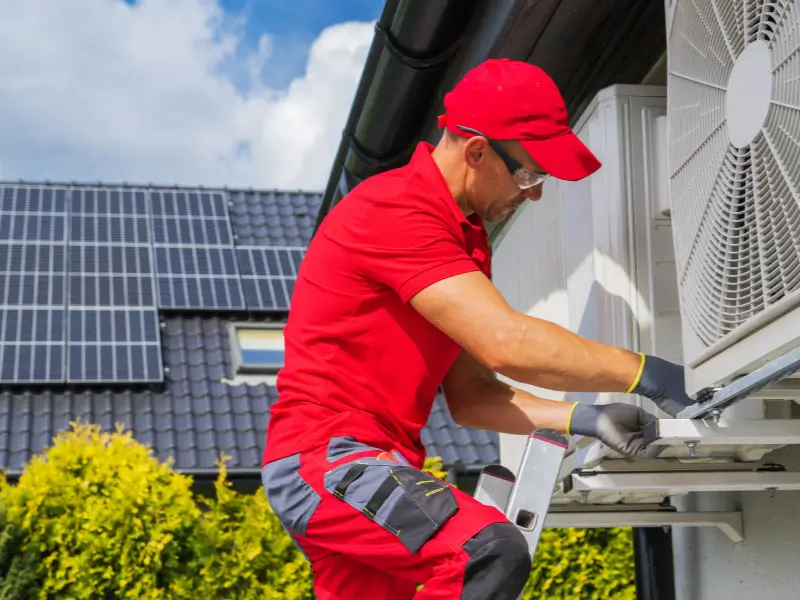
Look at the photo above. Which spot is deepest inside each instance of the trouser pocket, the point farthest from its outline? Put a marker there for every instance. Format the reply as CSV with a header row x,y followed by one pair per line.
x,y
409,503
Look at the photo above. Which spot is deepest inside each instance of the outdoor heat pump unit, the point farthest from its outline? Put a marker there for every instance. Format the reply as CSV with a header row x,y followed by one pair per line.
x,y
733,105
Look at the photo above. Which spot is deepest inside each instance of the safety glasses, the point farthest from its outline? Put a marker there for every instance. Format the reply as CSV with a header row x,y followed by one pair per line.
x,y
524,178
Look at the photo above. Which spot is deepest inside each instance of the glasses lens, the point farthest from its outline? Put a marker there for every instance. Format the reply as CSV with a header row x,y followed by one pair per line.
x,y
527,179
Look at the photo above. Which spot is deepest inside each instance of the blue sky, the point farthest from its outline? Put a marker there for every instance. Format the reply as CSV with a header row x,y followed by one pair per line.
x,y
293,25
165,91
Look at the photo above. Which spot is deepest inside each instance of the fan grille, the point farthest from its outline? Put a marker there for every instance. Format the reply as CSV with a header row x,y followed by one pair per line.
x,y
736,210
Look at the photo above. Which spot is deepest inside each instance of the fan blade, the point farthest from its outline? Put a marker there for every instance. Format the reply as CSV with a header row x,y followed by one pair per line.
x,y
700,52
785,41
690,188
693,119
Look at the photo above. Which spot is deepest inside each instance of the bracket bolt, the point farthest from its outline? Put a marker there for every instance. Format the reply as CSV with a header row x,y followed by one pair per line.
x,y
771,491
585,496
692,447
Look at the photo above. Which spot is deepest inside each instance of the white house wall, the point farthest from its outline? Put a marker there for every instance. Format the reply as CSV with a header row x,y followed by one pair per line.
x,y
762,567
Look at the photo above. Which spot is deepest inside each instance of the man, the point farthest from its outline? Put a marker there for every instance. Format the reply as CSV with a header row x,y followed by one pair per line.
x,y
393,300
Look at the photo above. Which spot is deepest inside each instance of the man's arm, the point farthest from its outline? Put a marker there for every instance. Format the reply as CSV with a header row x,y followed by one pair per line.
x,y
470,310
476,398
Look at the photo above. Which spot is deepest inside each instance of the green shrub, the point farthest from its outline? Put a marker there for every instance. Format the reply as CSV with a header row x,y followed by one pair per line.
x,y
107,519
18,565
585,564
244,553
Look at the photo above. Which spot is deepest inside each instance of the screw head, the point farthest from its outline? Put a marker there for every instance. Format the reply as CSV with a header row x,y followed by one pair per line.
x,y
692,447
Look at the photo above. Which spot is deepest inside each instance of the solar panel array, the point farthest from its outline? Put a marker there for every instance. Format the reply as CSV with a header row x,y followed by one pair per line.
x,y
84,271
193,243
112,316
32,284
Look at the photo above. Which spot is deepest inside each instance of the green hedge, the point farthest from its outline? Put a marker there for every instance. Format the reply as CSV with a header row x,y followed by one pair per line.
x,y
592,564
97,516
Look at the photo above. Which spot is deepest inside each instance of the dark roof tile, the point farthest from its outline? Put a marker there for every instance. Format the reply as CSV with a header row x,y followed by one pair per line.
x,y
273,218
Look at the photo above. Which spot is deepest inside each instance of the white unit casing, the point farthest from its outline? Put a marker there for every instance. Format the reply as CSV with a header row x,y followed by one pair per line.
x,y
596,256
734,182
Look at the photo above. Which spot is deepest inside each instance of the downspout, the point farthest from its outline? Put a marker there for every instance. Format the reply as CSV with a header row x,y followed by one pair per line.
x,y
414,42
653,563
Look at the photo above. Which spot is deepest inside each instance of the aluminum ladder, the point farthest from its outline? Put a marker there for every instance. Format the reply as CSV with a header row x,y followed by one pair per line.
x,y
526,505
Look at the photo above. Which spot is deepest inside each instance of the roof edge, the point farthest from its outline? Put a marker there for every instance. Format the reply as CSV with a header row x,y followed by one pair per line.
x,y
413,46
158,186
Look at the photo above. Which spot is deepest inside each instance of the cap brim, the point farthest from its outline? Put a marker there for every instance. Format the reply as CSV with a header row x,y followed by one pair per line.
x,y
563,157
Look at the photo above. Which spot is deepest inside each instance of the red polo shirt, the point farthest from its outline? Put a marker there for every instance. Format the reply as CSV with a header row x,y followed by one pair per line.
x,y
360,360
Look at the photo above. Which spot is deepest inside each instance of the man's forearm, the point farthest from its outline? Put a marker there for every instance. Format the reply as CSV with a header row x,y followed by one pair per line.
x,y
504,409
470,310
549,356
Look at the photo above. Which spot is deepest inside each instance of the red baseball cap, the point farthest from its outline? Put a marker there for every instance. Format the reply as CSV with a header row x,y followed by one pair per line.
x,y
512,100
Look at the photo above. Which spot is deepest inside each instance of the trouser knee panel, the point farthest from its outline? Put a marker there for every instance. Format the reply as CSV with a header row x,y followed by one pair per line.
x,y
499,564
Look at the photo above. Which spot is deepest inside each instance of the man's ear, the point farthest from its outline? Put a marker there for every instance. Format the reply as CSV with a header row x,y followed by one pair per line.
x,y
475,151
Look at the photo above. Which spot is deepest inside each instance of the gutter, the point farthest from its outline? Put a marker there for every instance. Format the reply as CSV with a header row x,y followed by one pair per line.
x,y
414,43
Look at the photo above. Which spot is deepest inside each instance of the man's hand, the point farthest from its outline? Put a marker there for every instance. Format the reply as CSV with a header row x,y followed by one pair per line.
x,y
619,426
662,382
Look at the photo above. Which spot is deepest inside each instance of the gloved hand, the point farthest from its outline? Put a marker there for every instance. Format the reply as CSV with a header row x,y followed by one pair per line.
x,y
663,382
619,426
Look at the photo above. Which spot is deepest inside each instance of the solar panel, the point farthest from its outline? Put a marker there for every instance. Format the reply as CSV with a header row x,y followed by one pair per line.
x,y
32,283
268,275
119,345
194,254
112,324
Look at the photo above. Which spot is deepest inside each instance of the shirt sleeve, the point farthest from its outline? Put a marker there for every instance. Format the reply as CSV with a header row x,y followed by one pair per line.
x,y
410,251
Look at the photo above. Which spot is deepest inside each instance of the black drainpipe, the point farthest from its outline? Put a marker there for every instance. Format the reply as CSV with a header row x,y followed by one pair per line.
x,y
414,42
655,572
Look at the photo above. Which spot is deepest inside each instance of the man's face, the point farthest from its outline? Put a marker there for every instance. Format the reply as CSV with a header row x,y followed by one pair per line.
x,y
492,190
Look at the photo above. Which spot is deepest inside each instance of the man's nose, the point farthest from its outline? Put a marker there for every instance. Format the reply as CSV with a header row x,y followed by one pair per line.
x,y
534,193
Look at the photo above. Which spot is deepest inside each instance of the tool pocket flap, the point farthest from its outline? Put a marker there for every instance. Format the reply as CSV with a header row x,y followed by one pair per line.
x,y
409,503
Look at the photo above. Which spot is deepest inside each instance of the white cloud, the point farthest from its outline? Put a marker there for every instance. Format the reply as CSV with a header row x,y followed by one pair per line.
x,y
101,90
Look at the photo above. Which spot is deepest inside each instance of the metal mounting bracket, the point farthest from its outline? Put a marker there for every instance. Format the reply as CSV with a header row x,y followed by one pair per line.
x,y
769,432
748,385
671,483
729,523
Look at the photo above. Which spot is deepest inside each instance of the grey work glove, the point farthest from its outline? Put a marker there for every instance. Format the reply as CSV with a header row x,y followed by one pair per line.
x,y
663,382
619,426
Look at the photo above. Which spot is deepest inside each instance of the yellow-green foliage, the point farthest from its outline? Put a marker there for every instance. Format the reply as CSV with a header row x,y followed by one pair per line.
x,y
585,564
97,516
244,552
433,465
105,517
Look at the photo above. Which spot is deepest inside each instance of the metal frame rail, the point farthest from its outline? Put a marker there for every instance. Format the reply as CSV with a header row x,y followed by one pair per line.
x,y
714,400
